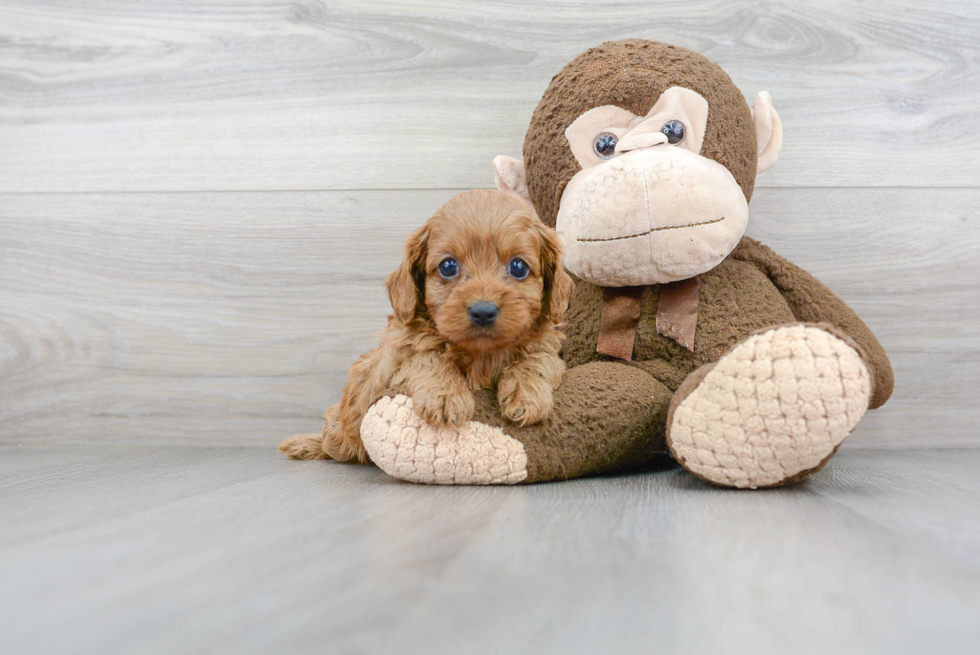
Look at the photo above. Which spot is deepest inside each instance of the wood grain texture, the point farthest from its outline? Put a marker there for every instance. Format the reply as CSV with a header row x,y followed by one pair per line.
x,y
247,95
203,198
198,204
223,550
203,317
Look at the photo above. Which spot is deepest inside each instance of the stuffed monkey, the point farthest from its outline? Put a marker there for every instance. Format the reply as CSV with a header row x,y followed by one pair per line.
x,y
683,335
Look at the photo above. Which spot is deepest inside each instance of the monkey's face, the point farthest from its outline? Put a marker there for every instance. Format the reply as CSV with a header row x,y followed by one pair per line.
x,y
647,207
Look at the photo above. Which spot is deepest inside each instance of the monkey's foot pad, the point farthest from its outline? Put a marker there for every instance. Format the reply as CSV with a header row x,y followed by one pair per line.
x,y
772,410
406,447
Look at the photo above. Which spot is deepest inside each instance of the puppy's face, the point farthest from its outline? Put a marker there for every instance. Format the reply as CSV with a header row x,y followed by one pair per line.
x,y
485,270
483,276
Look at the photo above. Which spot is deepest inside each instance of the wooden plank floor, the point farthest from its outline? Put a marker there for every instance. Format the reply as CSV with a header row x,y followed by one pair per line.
x,y
109,95
222,317
116,549
199,201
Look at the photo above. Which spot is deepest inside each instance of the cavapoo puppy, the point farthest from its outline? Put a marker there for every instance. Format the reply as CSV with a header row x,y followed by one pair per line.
x,y
476,302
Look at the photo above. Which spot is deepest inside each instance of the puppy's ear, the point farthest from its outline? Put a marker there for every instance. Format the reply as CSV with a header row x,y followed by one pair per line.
x,y
406,285
557,283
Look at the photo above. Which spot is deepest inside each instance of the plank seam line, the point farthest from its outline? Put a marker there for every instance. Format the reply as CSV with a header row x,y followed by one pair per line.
x,y
430,189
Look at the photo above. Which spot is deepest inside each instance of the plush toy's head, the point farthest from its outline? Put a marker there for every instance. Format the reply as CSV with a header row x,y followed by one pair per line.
x,y
644,156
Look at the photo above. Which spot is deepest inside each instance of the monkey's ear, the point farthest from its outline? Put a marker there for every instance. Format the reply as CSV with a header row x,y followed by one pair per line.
x,y
511,178
768,131
406,285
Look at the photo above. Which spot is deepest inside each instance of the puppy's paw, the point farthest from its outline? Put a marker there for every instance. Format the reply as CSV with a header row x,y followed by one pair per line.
x,y
524,399
445,406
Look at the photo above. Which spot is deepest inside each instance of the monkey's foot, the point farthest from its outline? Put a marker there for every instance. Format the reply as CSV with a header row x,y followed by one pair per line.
x,y
772,410
406,447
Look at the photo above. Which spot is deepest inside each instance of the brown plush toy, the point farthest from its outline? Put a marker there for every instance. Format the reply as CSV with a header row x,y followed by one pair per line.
x,y
682,334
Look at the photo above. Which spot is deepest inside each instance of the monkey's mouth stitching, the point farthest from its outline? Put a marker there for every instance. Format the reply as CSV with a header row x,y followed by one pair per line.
x,y
656,229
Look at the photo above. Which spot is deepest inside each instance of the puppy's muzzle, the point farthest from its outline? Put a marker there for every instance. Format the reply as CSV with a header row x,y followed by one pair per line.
x,y
483,313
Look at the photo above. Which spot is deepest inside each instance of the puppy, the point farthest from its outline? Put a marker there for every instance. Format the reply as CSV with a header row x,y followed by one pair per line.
x,y
476,302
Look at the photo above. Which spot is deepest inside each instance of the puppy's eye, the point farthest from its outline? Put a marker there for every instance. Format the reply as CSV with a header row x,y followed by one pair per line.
x,y
448,268
605,145
674,131
518,268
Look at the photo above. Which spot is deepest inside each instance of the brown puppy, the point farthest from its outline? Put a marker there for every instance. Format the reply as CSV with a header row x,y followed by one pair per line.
x,y
476,302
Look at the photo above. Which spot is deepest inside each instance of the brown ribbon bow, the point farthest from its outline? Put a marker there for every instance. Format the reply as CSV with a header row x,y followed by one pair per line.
x,y
677,316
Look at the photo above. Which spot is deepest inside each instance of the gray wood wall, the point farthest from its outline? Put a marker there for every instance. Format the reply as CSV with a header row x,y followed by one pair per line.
x,y
199,200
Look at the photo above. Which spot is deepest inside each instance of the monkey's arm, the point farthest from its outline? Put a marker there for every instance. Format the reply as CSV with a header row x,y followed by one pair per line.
x,y
813,302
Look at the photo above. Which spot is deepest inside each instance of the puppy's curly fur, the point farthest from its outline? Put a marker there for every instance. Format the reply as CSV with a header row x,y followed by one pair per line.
x,y
434,350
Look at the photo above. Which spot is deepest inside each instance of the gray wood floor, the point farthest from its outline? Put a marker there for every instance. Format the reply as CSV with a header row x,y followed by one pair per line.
x,y
116,549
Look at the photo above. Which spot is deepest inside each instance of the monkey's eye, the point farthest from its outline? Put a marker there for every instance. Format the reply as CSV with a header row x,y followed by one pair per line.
x,y
518,268
605,145
674,131
448,268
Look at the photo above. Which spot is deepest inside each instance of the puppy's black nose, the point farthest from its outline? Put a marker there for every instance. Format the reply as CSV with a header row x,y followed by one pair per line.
x,y
483,313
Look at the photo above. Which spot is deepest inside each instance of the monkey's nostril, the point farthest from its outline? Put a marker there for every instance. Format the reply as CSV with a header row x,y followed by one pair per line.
x,y
483,313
